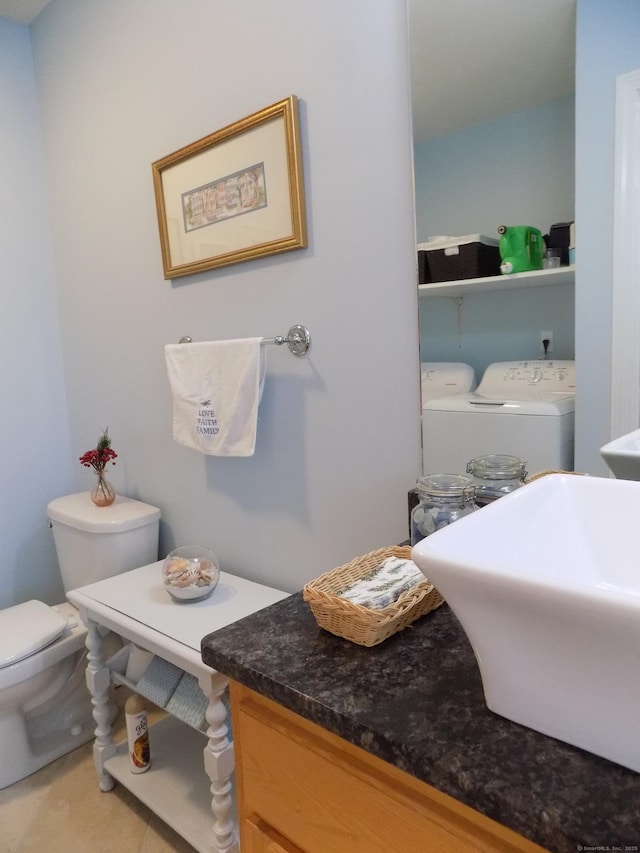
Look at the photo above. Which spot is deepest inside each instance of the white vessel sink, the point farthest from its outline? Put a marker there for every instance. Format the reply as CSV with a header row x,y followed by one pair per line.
x,y
623,456
546,584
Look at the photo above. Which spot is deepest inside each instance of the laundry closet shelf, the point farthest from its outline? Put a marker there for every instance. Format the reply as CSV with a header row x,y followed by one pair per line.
x,y
517,281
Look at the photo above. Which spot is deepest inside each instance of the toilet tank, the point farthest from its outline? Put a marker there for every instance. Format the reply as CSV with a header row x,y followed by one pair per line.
x,y
95,542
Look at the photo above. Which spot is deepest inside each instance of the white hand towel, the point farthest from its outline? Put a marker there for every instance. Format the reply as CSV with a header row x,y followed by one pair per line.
x,y
216,387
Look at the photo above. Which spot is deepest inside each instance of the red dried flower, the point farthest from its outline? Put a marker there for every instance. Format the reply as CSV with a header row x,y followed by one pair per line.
x,y
101,456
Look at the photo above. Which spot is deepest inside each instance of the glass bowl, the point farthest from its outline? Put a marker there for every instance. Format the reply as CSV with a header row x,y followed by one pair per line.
x,y
190,573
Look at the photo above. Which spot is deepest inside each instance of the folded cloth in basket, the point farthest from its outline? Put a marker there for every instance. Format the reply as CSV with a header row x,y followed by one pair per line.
x,y
383,585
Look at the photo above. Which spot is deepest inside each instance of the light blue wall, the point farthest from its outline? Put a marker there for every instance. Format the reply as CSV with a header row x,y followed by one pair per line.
x,y
35,451
499,326
608,44
125,82
515,170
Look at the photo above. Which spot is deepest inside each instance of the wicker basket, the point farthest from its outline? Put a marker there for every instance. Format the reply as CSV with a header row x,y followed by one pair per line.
x,y
363,625
552,471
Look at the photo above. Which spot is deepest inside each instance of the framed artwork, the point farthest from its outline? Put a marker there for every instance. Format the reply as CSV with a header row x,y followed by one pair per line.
x,y
234,195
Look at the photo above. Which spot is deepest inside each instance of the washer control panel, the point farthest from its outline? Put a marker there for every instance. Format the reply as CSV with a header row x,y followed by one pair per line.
x,y
529,377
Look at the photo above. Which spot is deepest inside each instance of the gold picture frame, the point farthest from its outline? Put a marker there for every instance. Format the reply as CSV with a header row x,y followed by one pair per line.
x,y
234,195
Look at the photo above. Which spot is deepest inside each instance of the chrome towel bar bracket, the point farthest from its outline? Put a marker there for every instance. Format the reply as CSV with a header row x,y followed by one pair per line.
x,y
297,339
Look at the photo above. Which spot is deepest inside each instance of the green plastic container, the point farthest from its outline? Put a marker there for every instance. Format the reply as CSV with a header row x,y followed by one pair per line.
x,y
521,248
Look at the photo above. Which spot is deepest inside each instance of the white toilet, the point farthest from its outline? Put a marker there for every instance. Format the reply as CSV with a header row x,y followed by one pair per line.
x,y
45,707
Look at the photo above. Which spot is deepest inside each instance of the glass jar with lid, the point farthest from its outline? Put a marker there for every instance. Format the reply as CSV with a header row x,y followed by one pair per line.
x,y
495,475
443,498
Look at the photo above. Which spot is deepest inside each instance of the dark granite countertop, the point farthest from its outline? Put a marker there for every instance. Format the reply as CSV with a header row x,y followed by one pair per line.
x,y
416,701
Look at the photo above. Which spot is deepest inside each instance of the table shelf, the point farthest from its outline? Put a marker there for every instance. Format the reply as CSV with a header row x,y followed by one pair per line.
x,y
175,786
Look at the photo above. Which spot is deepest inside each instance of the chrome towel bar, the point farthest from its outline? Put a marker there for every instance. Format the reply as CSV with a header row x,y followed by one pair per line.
x,y
297,339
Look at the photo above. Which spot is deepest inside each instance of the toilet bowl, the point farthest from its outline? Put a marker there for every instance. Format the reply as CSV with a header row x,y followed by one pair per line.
x,y
45,706
28,687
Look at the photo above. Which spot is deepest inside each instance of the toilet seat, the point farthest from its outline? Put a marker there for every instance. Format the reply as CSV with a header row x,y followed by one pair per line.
x,y
26,628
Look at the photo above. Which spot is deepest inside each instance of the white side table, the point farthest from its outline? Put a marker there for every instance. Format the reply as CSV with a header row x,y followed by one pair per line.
x,y
136,606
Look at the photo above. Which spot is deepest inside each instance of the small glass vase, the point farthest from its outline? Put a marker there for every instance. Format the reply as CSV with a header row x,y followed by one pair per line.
x,y
103,493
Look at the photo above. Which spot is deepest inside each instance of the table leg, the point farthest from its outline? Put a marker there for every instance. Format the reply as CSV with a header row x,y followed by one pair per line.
x,y
219,763
99,682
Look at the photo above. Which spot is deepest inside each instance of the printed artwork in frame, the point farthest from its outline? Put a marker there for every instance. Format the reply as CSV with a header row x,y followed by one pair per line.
x,y
235,195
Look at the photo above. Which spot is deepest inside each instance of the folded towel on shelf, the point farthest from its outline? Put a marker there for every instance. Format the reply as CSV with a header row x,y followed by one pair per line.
x,y
158,681
383,585
188,703
216,388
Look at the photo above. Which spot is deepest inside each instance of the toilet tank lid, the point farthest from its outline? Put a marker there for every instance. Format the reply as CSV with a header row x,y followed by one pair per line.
x,y
79,511
27,628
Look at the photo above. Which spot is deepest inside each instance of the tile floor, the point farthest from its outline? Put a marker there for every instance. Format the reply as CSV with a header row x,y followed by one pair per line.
x,y
60,809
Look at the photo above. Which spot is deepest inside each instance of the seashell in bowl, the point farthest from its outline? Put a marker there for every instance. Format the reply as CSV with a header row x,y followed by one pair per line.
x,y
190,573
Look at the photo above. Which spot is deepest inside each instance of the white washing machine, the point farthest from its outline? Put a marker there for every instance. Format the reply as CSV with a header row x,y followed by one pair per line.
x,y
443,378
520,408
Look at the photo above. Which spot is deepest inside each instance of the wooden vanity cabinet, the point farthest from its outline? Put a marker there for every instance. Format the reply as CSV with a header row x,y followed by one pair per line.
x,y
301,788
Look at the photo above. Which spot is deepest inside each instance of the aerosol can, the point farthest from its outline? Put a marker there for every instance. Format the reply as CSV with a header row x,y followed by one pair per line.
x,y
137,734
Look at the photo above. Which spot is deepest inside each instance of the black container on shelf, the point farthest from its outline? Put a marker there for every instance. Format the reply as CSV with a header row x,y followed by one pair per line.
x,y
454,258
559,237
424,274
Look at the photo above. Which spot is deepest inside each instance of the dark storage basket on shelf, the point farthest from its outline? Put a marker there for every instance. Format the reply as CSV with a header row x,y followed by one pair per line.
x,y
424,273
458,258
